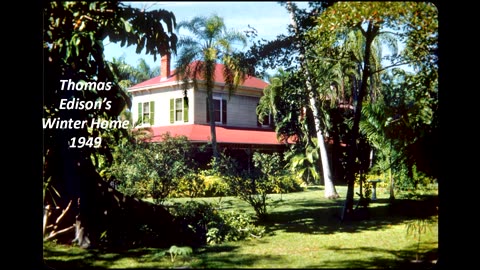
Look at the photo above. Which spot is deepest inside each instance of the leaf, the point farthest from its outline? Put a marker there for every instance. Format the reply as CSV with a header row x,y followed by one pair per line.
x,y
128,26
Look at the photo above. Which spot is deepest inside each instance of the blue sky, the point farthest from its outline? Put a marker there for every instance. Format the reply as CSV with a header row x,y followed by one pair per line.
x,y
269,18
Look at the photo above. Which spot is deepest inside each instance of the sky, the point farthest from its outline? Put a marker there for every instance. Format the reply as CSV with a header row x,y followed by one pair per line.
x,y
269,18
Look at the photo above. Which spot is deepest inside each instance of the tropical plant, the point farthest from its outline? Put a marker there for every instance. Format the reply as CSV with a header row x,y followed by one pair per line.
x,y
144,169
73,36
371,19
313,95
128,75
198,56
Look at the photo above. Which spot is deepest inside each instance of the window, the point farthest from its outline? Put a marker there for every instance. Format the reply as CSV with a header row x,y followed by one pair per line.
x,y
178,110
146,112
219,111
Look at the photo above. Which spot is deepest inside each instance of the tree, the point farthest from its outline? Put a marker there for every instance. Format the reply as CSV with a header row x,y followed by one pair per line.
x,y
283,100
399,124
198,56
93,213
330,191
143,169
127,75
414,23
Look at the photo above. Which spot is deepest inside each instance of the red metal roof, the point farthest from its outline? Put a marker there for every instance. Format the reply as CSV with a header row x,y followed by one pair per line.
x,y
201,133
219,78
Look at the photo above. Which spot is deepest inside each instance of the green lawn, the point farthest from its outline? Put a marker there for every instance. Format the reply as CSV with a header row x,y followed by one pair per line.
x,y
303,231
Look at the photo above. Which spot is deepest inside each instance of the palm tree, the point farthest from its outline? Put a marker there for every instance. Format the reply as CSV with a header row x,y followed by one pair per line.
x,y
198,55
330,191
128,75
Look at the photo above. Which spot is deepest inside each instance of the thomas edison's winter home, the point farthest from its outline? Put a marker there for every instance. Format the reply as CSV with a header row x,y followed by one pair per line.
x,y
161,106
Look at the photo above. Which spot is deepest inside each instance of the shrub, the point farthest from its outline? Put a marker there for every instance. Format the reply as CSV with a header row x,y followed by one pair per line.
x,y
213,226
287,183
144,169
215,186
191,185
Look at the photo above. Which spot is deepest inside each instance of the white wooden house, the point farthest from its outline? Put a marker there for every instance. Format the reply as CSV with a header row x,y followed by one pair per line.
x,y
161,106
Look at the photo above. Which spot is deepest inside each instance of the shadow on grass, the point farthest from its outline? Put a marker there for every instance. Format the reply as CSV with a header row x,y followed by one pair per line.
x,y
401,259
226,257
316,216
99,259
310,216
206,257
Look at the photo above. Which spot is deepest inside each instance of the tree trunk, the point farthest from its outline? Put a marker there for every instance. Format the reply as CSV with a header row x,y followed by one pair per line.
x,y
352,166
213,133
103,217
209,76
330,191
392,186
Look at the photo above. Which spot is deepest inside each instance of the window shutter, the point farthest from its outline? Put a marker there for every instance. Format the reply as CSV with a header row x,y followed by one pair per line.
x,y
258,121
185,109
172,110
208,113
152,112
140,114
224,111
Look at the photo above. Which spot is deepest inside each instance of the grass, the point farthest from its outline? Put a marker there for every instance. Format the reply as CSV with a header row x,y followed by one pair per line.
x,y
303,231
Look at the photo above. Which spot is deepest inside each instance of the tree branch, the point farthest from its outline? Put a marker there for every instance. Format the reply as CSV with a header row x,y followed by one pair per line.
x,y
55,234
391,66
63,212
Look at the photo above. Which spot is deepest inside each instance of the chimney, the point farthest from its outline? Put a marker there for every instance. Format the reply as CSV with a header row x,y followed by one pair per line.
x,y
165,67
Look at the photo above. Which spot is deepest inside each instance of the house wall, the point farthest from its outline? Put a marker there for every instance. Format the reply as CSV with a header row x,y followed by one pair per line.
x,y
162,105
241,110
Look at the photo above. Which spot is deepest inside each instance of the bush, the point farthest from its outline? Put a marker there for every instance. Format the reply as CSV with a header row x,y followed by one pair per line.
x,y
191,185
144,169
287,183
213,226
215,186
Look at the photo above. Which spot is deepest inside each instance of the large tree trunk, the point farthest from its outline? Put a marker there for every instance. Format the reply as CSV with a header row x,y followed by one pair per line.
x,y
330,191
100,216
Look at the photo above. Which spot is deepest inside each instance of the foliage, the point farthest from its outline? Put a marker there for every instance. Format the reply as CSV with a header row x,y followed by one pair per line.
x,y
283,50
254,187
237,226
190,185
353,34
210,41
175,251
303,163
73,52
144,169
215,186
303,226
223,166
127,75
73,44
213,226
284,99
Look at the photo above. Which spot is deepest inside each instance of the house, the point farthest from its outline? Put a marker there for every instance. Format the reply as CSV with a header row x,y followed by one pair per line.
x,y
160,105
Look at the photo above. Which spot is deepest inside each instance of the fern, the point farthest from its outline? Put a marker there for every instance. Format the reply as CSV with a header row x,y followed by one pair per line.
x,y
175,251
